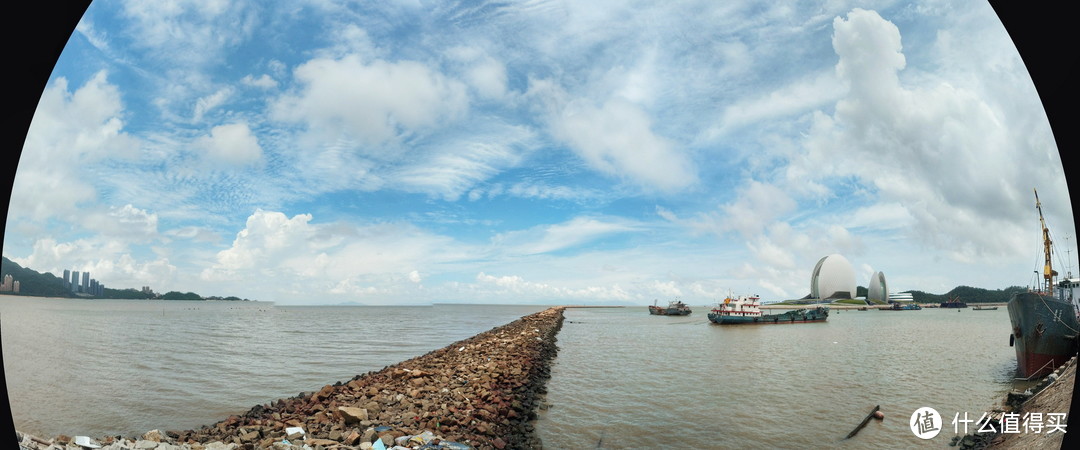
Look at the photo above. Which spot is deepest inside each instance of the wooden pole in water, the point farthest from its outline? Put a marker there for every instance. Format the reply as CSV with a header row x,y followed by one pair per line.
x,y
864,421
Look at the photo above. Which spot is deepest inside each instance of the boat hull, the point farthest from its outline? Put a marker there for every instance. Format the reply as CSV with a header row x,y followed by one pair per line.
x,y
661,311
1044,332
789,317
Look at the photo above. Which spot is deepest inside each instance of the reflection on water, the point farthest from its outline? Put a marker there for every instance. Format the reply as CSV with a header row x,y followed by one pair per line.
x,y
625,379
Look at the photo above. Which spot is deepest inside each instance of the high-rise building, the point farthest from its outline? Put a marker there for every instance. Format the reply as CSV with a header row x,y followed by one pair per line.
x,y
67,278
86,282
74,281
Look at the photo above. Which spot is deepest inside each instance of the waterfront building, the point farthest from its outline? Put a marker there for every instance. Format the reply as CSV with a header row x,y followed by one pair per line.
x,y
833,278
901,297
74,281
878,289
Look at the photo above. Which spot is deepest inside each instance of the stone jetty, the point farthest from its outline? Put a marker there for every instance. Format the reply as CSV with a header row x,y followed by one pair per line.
x,y
479,393
1053,394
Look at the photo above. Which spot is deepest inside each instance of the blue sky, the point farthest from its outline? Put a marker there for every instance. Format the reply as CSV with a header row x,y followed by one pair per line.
x,y
320,152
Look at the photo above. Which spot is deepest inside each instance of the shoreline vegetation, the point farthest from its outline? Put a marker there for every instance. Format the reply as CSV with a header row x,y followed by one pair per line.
x,y
478,393
35,284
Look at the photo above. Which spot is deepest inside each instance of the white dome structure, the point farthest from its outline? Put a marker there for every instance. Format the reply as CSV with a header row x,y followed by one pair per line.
x,y
833,278
878,289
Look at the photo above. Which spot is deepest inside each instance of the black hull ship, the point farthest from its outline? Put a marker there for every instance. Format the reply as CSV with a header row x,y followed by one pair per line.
x,y
674,308
1044,323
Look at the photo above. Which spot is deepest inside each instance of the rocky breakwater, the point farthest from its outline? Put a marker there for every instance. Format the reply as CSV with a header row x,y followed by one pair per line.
x,y
482,391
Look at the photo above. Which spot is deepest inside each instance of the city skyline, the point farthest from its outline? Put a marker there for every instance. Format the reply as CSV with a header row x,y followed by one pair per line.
x,y
563,153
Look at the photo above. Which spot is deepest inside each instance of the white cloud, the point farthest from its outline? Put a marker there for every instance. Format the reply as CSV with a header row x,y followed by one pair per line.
x,y
484,74
207,103
951,158
286,254
756,206
796,98
264,81
69,131
108,261
553,238
455,164
375,102
233,144
617,139
126,222
189,32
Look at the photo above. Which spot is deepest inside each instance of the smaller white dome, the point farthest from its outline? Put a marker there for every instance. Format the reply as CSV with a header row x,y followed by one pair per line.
x,y
878,289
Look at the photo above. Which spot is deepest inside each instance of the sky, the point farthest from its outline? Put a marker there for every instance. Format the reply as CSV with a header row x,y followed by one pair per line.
x,y
539,152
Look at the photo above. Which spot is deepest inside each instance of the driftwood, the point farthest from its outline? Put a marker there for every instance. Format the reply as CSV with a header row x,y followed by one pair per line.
x,y
864,421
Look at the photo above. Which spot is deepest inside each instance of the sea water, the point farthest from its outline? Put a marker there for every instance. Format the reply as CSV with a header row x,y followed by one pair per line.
x,y
621,379
625,379
125,367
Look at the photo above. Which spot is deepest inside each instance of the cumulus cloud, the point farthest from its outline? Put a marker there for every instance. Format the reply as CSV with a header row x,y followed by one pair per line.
x,y
336,258
617,139
516,285
69,131
126,222
941,151
233,144
756,205
484,74
371,101
107,260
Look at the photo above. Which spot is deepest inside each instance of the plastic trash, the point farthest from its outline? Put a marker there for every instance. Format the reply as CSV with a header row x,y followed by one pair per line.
x,y
84,441
451,445
293,430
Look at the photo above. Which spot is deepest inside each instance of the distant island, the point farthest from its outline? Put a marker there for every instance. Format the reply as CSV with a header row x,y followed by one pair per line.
x,y
36,284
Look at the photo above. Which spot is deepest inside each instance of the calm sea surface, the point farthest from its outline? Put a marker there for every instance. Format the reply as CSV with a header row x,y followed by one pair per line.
x,y
625,379
622,378
108,367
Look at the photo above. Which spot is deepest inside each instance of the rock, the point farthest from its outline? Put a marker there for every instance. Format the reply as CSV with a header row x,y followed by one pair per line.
x,y
352,438
153,435
250,436
373,407
353,414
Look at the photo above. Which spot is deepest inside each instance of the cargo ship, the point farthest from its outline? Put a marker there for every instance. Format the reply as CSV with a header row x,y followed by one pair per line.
x,y
674,308
897,306
954,302
747,310
1044,323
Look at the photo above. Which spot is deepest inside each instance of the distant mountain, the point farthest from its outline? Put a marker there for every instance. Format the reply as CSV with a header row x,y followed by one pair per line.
x,y
33,283
969,294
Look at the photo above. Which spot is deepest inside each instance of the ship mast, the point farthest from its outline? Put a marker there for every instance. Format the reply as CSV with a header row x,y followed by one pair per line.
x,y
1048,270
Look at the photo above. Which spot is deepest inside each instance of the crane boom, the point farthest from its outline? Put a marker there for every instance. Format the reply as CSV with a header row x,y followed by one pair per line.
x,y
1048,269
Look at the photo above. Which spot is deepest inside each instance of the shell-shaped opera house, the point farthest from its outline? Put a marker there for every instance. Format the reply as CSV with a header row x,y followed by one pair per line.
x,y
833,278
878,290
